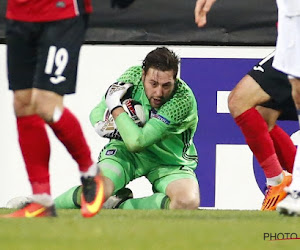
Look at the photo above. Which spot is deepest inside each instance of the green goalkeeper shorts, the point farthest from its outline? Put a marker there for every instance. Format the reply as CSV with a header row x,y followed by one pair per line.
x,y
122,166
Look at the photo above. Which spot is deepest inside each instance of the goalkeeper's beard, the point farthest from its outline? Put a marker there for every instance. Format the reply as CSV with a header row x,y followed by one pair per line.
x,y
157,102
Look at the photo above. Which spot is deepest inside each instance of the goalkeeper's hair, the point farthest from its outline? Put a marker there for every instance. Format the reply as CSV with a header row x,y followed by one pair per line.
x,y
162,59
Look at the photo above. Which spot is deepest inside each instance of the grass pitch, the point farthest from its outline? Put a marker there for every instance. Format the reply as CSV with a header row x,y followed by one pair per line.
x,y
156,229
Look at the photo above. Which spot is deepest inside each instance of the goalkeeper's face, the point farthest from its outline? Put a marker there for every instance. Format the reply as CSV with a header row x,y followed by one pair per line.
x,y
159,86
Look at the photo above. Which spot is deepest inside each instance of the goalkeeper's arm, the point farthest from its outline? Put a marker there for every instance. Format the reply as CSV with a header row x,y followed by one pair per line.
x,y
104,126
97,113
136,138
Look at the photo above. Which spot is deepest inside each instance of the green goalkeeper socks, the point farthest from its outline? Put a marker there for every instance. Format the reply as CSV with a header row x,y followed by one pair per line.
x,y
69,199
155,201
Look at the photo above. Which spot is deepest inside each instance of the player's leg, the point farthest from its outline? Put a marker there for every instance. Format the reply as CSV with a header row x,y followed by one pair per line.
x,y
174,188
284,146
270,115
117,169
159,176
179,184
152,202
33,139
242,102
70,199
247,94
263,81
291,204
296,96
184,194
56,76
122,199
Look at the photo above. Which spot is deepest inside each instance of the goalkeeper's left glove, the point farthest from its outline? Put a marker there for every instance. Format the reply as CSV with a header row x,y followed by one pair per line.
x,y
121,4
114,95
107,129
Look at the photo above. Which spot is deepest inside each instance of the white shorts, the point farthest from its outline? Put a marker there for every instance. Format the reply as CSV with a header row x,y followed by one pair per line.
x,y
287,56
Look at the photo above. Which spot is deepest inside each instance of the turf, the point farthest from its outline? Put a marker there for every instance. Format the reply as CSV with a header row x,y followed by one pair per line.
x,y
120,229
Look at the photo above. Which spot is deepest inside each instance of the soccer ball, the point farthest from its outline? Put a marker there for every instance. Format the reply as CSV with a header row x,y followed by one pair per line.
x,y
135,110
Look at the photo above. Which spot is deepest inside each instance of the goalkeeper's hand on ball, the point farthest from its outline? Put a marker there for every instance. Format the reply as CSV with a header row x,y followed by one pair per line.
x,y
114,95
108,128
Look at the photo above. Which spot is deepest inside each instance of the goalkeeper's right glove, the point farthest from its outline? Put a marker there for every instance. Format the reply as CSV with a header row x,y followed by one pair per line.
x,y
114,95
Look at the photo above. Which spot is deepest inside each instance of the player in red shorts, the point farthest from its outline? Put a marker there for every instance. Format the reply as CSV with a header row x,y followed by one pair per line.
x,y
43,42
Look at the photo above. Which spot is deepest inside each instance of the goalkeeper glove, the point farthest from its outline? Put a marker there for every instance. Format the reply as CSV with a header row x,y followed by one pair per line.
x,y
114,95
107,129
121,4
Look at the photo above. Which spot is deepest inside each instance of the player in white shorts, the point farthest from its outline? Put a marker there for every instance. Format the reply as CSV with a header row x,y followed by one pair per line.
x,y
287,60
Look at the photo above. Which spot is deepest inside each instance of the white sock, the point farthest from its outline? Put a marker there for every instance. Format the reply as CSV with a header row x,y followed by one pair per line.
x,y
92,171
43,199
274,181
57,114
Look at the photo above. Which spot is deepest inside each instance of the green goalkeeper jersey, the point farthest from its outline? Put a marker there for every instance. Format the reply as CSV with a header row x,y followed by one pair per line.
x,y
167,136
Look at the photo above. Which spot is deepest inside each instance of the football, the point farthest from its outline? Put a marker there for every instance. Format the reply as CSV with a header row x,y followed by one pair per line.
x,y
108,129
135,110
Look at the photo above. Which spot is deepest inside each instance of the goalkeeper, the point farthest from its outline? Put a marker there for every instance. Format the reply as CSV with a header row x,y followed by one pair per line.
x,y
162,150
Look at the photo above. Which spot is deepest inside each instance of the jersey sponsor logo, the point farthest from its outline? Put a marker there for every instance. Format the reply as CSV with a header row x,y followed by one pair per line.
x,y
111,152
154,114
161,118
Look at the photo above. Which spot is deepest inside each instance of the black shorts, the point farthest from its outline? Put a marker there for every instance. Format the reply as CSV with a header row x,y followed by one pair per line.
x,y
44,55
277,85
